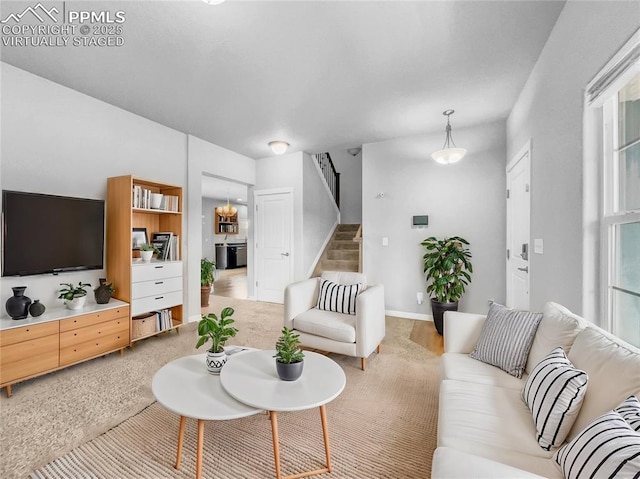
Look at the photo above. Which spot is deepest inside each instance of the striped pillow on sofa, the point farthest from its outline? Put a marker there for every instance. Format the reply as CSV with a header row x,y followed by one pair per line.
x,y
554,392
339,298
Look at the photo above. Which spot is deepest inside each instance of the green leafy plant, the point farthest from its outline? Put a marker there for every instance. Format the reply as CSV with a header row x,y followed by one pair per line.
x,y
207,268
70,291
447,265
288,347
149,247
218,331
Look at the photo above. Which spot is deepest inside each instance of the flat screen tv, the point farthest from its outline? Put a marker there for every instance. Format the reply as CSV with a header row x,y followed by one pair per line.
x,y
50,234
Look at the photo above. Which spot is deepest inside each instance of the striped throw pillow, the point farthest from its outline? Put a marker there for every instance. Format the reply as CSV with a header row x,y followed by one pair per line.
x,y
607,447
554,392
340,298
630,412
506,338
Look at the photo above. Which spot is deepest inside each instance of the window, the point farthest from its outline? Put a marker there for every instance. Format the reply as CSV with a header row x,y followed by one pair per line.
x,y
621,210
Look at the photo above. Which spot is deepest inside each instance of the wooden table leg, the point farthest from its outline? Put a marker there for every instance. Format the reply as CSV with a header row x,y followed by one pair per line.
x,y
325,435
183,420
8,390
199,450
276,447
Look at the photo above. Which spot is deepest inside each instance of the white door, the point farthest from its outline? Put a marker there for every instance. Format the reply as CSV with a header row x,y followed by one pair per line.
x,y
274,244
518,217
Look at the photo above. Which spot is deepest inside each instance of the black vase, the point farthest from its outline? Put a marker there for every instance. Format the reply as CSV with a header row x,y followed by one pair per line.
x,y
289,371
438,310
103,292
36,309
18,305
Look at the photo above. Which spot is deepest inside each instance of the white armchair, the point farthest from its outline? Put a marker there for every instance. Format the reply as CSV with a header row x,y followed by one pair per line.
x,y
352,335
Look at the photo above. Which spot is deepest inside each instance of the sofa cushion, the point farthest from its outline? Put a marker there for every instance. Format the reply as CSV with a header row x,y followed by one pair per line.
x,y
328,324
461,367
346,277
613,367
607,447
506,338
630,412
554,393
558,327
340,298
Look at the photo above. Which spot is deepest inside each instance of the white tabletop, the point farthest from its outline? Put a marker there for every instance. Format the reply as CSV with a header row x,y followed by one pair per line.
x,y
252,379
185,387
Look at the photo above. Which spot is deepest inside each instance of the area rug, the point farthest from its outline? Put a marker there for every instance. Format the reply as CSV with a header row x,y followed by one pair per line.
x,y
383,425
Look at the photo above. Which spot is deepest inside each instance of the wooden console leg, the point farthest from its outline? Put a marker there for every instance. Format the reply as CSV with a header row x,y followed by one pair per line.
x,y
276,447
8,390
121,352
363,363
183,420
199,450
378,349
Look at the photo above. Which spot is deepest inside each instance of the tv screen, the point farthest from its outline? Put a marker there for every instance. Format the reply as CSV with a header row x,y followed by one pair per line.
x,y
50,234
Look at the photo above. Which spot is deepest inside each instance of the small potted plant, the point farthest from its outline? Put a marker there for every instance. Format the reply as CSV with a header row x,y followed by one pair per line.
x,y
218,331
289,356
74,296
207,268
104,291
447,264
147,251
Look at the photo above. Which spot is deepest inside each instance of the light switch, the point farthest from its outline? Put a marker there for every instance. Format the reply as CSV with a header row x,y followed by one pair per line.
x,y
385,241
538,246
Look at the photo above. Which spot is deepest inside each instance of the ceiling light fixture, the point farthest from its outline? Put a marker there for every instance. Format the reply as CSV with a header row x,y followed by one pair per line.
x,y
213,2
278,147
227,210
354,151
448,154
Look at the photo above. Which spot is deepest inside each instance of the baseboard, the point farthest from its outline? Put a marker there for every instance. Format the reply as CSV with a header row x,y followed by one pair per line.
x,y
403,314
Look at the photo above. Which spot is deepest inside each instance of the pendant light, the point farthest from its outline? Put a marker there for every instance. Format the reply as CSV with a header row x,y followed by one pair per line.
x,y
448,154
227,210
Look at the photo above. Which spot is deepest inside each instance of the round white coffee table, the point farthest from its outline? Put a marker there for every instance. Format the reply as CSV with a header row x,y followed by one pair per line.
x,y
185,387
251,378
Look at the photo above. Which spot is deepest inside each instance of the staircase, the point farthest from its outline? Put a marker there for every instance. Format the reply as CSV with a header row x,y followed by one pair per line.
x,y
342,252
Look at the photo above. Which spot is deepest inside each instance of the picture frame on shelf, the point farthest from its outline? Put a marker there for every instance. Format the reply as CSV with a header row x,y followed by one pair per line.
x,y
138,238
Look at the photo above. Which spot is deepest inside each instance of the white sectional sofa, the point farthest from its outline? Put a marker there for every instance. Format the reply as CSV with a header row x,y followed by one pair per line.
x,y
485,429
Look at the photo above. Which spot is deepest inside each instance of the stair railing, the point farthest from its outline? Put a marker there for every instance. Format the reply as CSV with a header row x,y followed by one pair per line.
x,y
331,176
358,239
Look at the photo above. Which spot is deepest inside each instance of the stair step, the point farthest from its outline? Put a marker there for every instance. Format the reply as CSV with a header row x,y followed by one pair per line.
x,y
339,265
348,227
349,235
349,254
343,244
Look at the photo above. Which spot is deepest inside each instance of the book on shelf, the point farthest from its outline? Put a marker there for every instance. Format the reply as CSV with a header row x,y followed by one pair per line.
x,y
162,241
164,319
141,198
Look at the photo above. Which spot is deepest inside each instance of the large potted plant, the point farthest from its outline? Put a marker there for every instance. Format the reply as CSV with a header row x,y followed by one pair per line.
x,y
218,331
289,356
207,269
74,296
448,267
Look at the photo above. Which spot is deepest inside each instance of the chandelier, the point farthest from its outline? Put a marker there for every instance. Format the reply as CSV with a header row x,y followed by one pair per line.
x,y
448,154
226,210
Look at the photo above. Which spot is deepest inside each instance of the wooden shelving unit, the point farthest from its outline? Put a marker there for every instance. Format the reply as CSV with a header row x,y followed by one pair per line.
x,y
134,281
226,225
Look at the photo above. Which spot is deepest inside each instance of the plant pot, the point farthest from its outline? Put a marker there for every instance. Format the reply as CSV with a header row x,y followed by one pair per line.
x,y
156,200
215,361
438,308
146,255
102,292
289,371
17,306
205,292
76,303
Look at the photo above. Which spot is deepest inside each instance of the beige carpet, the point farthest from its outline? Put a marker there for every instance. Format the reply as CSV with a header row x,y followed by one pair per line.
x,y
382,426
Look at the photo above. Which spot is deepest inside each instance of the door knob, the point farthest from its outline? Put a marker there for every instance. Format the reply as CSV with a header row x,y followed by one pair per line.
x,y
284,254
525,269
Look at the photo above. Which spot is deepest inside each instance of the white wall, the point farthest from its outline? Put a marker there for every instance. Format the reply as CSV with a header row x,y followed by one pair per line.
x,y
550,111
58,141
320,213
209,159
350,169
466,199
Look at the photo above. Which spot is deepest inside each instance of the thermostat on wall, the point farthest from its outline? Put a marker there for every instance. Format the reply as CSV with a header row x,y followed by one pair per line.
x,y
421,220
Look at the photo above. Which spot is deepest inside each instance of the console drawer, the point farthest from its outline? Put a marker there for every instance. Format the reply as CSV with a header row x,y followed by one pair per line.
x,y
26,333
27,358
155,303
90,349
154,271
91,333
93,318
155,287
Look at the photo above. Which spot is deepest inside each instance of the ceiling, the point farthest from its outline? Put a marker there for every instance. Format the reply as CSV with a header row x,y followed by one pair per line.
x,y
219,189
318,75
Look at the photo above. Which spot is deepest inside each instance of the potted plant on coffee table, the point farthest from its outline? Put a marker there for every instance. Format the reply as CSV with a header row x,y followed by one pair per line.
x,y
207,268
289,356
447,265
74,296
218,331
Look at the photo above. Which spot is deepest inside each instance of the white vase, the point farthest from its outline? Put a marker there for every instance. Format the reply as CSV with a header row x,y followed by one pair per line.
x,y
75,303
146,255
215,361
156,200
